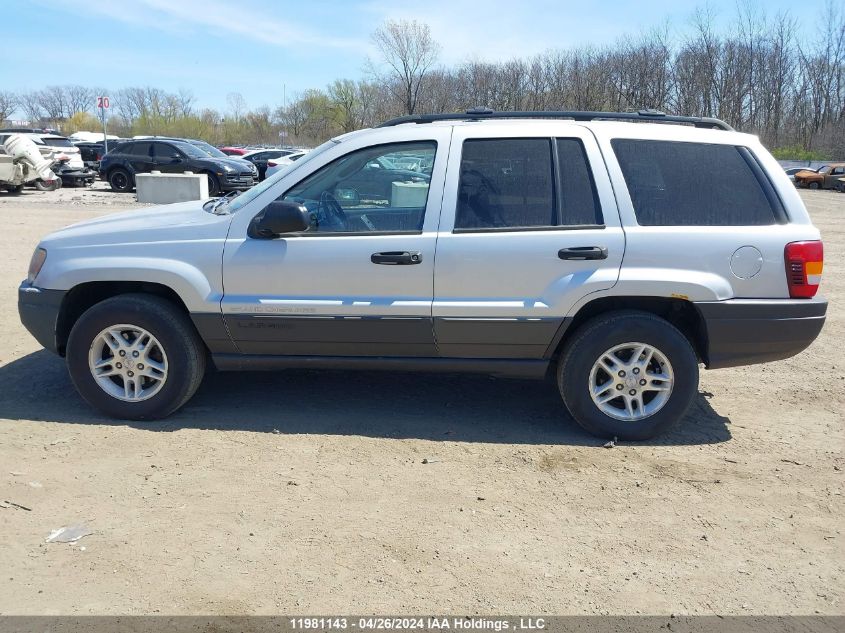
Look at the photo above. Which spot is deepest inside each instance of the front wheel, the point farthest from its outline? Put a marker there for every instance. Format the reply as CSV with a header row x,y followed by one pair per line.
x,y
814,185
135,357
213,185
628,374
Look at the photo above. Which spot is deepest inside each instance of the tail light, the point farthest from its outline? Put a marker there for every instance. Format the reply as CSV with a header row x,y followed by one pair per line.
x,y
804,262
99,156
270,163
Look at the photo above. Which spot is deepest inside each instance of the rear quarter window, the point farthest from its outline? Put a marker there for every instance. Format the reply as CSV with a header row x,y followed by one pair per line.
x,y
694,184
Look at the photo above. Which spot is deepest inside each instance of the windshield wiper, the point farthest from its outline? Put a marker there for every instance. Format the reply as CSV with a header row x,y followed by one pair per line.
x,y
219,205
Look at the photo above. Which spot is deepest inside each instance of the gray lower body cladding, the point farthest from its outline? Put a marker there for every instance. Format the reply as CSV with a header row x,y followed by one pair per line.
x,y
750,331
738,332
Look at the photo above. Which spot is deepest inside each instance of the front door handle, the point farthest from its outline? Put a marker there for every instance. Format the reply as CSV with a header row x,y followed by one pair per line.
x,y
583,252
395,258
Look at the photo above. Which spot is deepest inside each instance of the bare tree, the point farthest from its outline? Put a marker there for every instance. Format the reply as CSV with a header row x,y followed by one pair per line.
x,y
409,50
8,104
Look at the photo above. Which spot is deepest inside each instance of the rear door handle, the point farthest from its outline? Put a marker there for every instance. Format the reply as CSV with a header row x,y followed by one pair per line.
x,y
397,258
583,252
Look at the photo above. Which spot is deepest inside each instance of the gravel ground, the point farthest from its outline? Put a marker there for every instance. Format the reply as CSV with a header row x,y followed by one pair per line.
x,y
321,492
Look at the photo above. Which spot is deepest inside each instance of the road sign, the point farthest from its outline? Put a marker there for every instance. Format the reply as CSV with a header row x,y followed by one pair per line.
x,y
103,102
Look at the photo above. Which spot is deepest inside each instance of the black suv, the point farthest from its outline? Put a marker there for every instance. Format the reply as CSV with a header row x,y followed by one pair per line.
x,y
120,165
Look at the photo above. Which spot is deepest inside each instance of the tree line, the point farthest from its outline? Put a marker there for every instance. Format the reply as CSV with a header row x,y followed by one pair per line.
x,y
758,75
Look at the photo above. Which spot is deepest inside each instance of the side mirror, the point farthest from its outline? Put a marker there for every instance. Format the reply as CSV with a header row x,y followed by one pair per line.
x,y
278,218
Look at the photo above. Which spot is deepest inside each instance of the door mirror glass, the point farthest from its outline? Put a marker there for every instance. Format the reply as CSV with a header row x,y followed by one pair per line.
x,y
278,218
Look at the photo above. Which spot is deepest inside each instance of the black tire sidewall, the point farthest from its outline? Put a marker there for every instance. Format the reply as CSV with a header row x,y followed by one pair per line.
x,y
213,184
125,173
597,337
176,347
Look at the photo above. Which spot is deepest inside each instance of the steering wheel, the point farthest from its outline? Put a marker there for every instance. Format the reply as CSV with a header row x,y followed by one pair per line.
x,y
331,208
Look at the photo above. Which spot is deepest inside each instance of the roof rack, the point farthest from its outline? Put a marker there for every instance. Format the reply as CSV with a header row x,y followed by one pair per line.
x,y
478,114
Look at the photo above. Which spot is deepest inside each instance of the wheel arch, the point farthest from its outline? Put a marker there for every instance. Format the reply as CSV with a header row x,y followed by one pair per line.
x,y
679,312
85,295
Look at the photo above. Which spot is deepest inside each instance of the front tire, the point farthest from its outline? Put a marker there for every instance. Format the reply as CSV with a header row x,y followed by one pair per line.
x,y
135,357
628,374
213,185
813,185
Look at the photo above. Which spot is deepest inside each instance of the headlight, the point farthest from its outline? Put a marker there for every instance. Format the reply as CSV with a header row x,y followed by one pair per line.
x,y
35,264
228,169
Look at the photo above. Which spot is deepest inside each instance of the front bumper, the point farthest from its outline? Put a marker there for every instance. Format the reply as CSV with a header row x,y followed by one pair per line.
x,y
39,312
235,182
750,331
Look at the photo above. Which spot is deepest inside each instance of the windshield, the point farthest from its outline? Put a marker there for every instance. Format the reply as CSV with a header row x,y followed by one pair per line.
x,y
256,191
210,150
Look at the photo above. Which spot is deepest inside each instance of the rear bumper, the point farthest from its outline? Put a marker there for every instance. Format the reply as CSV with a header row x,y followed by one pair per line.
x,y
750,331
39,312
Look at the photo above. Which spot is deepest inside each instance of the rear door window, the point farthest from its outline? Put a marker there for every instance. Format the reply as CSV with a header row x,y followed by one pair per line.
x,y
137,149
694,184
506,183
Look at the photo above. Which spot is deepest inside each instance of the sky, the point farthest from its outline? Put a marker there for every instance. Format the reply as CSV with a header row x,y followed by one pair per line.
x,y
268,50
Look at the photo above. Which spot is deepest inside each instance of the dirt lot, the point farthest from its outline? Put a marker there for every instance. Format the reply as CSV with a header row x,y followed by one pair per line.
x,y
307,492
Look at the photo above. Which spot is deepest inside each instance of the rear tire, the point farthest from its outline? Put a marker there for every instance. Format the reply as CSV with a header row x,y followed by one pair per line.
x,y
664,379
813,185
120,180
170,346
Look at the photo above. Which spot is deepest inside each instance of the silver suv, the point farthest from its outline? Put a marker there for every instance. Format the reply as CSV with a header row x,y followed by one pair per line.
x,y
616,252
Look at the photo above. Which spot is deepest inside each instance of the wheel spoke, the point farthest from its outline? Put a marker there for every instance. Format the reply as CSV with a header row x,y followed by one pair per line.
x,y
607,397
629,408
114,339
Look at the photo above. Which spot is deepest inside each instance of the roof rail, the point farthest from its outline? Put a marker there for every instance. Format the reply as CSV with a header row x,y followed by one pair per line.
x,y
478,114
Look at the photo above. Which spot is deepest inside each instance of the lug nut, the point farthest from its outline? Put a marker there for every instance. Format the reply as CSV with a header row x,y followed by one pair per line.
x,y
619,387
633,392
122,352
621,374
642,381
636,370
141,366
135,354
118,365
130,373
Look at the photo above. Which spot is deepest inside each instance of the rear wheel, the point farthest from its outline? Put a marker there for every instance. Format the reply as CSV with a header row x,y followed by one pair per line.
x,y
628,374
120,180
135,357
813,185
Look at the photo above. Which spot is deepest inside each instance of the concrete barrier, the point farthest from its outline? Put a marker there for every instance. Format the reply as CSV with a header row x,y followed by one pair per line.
x,y
160,188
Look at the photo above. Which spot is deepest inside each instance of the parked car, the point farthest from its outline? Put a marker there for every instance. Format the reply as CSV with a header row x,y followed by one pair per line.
x,y
260,158
71,169
216,153
92,152
139,156
791,171
581,249
275,164
234,151
825,177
